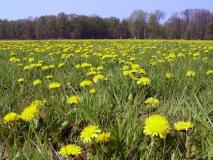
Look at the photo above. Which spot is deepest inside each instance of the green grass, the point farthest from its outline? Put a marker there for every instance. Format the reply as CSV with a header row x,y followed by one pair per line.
x,y
117,106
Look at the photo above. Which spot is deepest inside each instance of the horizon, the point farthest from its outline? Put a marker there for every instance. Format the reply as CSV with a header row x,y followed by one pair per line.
x,y
26,9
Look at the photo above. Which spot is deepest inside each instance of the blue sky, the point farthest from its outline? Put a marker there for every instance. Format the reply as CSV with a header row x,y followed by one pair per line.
x,y
16,9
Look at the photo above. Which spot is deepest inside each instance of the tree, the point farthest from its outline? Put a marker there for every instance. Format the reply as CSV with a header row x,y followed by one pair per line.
x,y
138,24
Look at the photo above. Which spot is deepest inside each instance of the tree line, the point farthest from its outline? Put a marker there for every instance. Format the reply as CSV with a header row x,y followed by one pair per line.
x,y
188,24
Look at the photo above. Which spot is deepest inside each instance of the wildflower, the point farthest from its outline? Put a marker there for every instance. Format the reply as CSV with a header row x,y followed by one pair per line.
x,y
28,67
126,72
54,85
169,75
99,68
89,132
77,66
31,60
152,101
52,66
91,73
125,67
36,82
73,100
181,55
14,59
45,68
11,117
98,77
20,80
210,71
183,126
156,125
48,76
135,66
144,81
30,113
103,137
92,91
190,73
84,65
70,150
60,65
86,83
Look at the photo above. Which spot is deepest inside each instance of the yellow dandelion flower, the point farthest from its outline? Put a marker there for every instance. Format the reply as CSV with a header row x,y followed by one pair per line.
x,y
156,125
144,81
125,67
48,76
103,137
54,85
92,91
86,83
190,73
77,66
183,126
210,71
126,72
99,68
152,101
98,77
45,68
30,113
84,65
169,75
20,80
11,117
73,100
70,150
89,132
36,82
181,55
60,65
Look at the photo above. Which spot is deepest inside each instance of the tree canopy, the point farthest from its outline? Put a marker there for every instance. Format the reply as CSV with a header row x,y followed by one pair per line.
x,y
188,24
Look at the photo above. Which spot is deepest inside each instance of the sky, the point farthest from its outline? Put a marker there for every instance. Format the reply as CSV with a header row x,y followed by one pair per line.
x,y
19,9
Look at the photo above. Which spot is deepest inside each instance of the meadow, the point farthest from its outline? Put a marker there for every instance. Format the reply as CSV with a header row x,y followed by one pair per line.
x,y
106,99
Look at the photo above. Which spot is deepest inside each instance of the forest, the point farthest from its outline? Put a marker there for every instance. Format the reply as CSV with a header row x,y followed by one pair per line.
x,y
188,24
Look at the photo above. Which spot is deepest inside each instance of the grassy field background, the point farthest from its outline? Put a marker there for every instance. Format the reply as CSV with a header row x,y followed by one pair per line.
x,y
118,105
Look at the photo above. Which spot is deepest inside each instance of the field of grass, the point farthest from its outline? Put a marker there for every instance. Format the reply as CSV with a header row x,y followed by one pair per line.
x,y
112,99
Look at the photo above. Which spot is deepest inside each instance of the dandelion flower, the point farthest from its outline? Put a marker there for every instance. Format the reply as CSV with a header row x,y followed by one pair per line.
x,y
92,91
20,80
169,75
36,82
210,71
103,137
86,83
88,133
48,76
98,77
144,81
183,126
152,101
73,100
190,73
30,113
54,85
70,150
11,117
60,65
156,125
